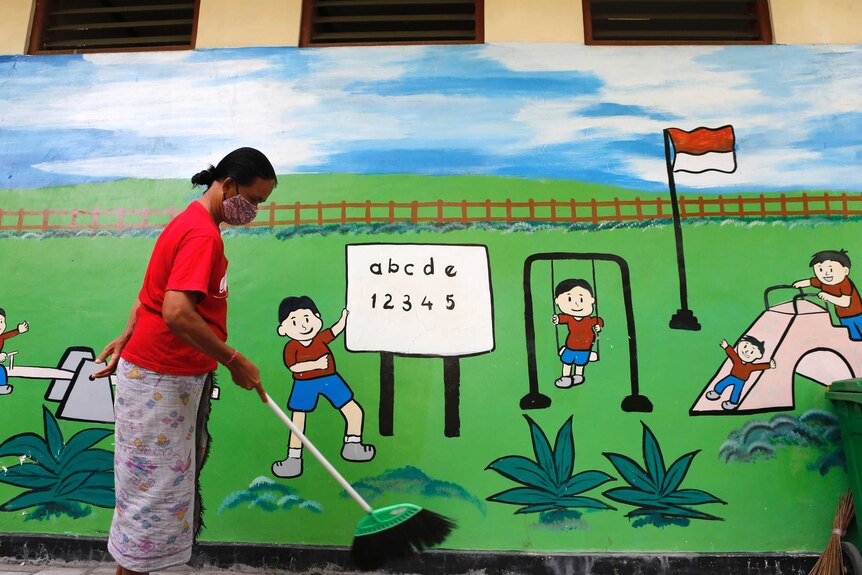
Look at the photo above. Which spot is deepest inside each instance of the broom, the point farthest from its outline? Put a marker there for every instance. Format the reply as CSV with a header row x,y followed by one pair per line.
x,y
830,562
392,532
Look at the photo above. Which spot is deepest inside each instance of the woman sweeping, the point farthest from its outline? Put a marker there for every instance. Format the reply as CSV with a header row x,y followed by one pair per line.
x,y
174,339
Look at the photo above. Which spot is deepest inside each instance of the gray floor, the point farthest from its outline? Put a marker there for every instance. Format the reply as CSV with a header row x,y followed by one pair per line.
x,y
11,567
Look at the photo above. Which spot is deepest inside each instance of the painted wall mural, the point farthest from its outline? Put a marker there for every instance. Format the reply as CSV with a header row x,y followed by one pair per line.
x,y
646,253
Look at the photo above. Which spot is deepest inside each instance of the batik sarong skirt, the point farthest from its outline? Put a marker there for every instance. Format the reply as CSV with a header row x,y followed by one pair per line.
x,y
156,454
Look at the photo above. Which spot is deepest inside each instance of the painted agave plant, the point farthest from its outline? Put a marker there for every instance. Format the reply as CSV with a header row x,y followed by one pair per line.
x,y
654,490
547,484
59,478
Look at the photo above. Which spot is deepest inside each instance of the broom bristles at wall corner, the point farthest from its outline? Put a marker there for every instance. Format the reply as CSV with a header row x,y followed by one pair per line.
x,y
830,562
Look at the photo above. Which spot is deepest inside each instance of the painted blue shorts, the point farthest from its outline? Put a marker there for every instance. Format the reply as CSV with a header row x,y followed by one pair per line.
x,y
853,325
306,392
728,381
571,356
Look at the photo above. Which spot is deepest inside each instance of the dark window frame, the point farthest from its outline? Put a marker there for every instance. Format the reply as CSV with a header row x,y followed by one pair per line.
x,y
37,34
306,31
764,21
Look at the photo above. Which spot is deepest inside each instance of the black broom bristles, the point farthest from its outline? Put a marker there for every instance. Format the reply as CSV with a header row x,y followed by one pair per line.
x,y
830,561
423,530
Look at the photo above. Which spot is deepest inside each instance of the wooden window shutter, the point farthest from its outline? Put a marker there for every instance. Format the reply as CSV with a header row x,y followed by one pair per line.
x,y
113,25
346,22
677,22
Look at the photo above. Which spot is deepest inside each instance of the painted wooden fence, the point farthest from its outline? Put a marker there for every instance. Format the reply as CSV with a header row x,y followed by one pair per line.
x,y
571,211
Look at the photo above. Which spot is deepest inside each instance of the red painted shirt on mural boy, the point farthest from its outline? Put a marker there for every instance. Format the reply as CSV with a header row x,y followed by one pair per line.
x,y
581,331
295,352
845,287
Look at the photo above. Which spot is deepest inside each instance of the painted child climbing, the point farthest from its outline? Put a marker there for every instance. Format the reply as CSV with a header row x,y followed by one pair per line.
x,y
23,327
575,299
831,276
312,364
748,350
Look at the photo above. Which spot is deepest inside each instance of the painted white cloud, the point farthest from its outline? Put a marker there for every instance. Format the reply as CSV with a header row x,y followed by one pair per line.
x,y
179,63
674,81
302,117
287,155
663,80
370,64
559,122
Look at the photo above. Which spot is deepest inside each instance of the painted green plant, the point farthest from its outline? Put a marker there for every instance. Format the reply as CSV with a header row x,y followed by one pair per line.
x,y
815,430
548,486
654,490
60,478
411,481
264,493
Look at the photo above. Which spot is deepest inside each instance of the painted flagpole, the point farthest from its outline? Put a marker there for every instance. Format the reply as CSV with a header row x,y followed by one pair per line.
x,y
684,318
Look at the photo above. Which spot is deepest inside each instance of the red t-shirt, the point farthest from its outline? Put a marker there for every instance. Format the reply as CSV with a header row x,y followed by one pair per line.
x,y
295,352
842,288
7,335
581,334
188,256
741,369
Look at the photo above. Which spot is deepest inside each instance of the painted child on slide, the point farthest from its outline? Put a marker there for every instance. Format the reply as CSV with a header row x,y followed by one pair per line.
x,y
575,299
748,350
5,388
312,364
831,276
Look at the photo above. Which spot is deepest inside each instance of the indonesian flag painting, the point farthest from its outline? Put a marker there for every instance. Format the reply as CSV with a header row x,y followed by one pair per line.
x,y
703,149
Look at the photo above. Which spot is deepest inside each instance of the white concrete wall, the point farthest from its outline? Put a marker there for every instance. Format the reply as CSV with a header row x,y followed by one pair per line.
x,y
534,21
228,23
15,18
816,21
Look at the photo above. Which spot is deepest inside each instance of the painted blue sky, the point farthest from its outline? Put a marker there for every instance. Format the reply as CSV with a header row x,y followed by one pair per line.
x,y
547,111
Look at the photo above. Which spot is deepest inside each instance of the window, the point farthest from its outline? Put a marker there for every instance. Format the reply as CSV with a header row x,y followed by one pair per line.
x,y
344,22
112,25
677,22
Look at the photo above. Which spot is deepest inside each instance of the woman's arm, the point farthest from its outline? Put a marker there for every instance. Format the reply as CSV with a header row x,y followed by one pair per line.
x,y
114,348
180,315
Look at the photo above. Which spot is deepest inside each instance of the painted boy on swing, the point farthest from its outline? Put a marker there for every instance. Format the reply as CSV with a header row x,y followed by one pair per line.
x,y
575,299
312,364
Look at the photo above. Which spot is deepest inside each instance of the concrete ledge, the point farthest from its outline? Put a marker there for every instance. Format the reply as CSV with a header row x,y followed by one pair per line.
x,y
302,559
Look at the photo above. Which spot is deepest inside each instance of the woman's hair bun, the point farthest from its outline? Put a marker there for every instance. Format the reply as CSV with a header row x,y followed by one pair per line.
x,y
204,178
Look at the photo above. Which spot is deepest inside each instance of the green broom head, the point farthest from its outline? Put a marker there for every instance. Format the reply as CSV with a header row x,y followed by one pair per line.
x,y
396,532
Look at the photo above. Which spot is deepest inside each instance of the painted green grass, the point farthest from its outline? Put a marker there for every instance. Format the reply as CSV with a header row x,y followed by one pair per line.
x,y
77,291
166,194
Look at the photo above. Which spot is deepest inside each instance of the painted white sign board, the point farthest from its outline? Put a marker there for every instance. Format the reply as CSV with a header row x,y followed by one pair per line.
x,y
419,299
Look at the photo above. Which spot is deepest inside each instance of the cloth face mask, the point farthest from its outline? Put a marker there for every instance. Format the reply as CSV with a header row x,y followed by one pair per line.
x,y
238,211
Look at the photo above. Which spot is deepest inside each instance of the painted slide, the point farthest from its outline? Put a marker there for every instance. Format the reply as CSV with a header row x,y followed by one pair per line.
x,y
798,335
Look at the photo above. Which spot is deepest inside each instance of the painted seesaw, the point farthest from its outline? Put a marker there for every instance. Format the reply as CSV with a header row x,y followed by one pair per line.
x,y
80,397
800,336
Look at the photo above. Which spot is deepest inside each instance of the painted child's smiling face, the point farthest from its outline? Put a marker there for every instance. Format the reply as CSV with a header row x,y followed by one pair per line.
x,y
301,325
748,352
830,272
577,302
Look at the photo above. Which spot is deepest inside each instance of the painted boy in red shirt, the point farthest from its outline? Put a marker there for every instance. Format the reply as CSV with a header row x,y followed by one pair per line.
x,y
312,364
575,299
748,350
831,276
